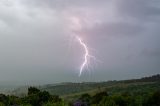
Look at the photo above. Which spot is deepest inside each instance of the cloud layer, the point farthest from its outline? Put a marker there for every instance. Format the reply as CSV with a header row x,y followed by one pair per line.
x,y
37,44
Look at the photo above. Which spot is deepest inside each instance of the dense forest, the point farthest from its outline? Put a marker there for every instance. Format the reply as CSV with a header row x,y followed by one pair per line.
x,y
135,92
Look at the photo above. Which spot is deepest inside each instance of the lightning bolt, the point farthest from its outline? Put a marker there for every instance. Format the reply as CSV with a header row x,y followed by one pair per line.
x,y
87,56
75,28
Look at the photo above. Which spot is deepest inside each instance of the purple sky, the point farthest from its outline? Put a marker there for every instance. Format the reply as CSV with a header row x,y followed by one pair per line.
x,y
37,44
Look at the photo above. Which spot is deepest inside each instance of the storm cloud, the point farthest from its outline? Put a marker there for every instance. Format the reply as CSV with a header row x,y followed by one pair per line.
x,y
36,46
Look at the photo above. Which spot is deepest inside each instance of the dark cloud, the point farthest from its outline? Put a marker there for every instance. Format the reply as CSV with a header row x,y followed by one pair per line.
x,y
118,29
34,39
140,9
151,52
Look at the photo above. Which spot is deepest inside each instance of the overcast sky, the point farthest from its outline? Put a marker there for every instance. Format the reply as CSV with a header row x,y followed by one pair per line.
x,y
37,43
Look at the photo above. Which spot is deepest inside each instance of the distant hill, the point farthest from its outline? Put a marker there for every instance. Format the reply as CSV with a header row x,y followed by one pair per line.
x,y
153,78
70,89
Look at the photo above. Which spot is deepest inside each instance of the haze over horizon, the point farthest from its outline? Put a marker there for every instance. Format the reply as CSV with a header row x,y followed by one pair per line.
x,y
36,44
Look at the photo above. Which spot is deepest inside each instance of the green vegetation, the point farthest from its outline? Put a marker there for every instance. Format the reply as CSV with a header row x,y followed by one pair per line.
x,y
136,92
35,97
64,89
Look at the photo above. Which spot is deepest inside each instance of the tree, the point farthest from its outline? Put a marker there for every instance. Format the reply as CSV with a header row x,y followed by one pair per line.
x,y
34,100
14,100
56,98
98,97
4,99
33,90
107,101
85,97
153,100
37,97
44,96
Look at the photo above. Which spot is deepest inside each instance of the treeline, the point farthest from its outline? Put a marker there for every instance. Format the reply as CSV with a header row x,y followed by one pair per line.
x,y
124,99
35,97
